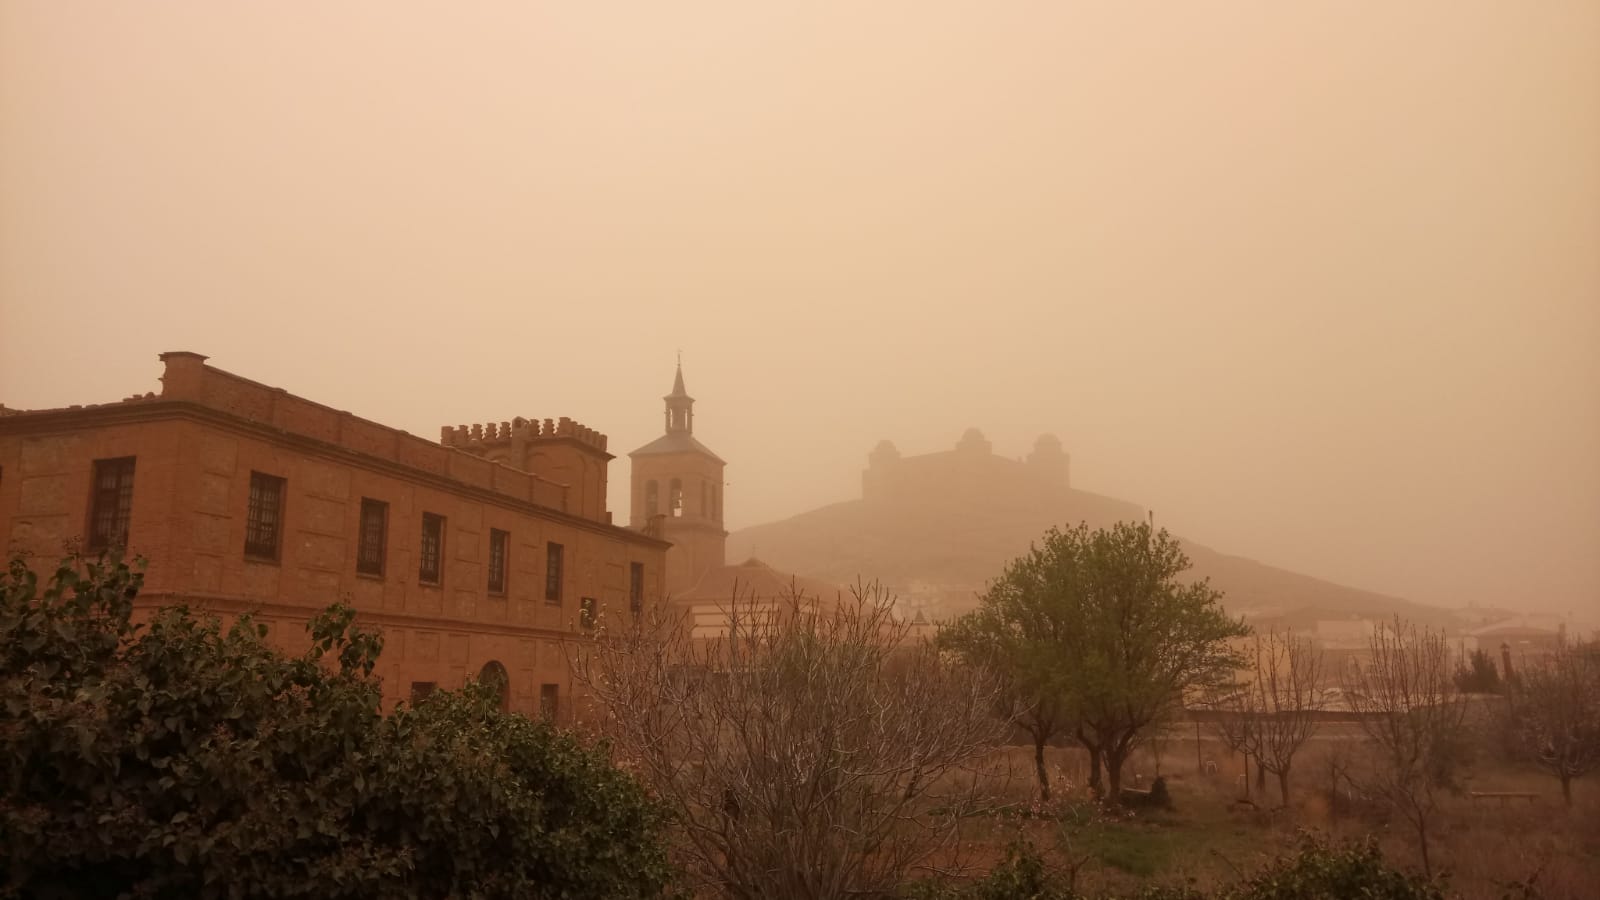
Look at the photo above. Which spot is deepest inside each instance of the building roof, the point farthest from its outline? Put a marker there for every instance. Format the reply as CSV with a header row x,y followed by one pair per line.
x,y
1516,631
755,580
676,442
677,384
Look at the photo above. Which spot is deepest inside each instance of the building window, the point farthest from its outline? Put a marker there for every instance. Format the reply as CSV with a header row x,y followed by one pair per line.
x,y
499,548
705,499
675,498
421,689
373,538
652,498
587,612
111,503
549,700
552,573
636,588
494,676
263,524
431,556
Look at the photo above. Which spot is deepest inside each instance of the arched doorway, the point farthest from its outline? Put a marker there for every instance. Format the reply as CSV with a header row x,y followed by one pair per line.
x,y
494,676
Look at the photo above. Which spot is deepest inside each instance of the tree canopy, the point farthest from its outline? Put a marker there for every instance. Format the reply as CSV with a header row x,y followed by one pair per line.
x,y
182,758
1098,625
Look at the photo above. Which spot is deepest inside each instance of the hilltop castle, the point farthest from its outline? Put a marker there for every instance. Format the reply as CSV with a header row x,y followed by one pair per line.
x,y
972,466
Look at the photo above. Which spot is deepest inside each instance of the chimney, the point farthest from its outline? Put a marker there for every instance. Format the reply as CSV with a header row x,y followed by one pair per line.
x,y
183,375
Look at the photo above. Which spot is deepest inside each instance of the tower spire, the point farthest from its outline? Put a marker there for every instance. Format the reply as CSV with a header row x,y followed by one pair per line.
x,y
677,381
680,406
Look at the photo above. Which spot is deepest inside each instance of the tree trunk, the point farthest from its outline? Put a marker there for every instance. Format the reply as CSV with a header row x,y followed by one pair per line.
x,y
1283,786
1566,789
1114,760
1333,791
1094,771
1038,765
1261,779
1422,837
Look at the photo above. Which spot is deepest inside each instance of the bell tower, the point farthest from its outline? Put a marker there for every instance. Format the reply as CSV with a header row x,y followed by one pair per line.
x,y
677,493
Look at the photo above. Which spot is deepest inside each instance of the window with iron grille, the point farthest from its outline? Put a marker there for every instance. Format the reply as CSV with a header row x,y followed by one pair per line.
x,y
499,548
431,553
263,524
588,609
549,700
636,588
111,503
372,540
552,573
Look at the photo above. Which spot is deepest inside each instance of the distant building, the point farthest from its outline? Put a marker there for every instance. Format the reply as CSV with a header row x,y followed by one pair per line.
x,y
972,467
486,555
1518,638
677,495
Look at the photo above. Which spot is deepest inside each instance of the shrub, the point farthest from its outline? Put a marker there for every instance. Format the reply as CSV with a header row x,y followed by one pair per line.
x,y
185,759
1316,872
1322,872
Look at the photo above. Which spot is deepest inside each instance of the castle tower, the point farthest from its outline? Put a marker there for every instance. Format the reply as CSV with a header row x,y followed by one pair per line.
x,y
677,492
1050,461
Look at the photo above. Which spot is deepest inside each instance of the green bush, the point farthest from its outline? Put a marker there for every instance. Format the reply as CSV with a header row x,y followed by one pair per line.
x,y
1317,872
182,759
1323,872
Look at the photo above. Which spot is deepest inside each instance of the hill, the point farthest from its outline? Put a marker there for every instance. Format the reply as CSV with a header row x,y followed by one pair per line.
x,y
936,528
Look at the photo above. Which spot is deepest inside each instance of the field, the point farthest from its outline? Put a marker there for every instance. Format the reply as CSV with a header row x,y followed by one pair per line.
x,y
1484,846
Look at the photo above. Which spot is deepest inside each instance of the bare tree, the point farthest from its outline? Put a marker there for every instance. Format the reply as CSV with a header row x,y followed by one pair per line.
x,y
1234,722
803,752
1554,713
1407,704
1283,698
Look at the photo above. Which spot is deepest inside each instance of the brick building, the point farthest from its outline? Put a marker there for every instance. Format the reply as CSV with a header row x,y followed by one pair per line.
x,y
490,553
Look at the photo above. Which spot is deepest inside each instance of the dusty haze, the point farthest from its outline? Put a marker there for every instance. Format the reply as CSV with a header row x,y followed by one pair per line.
x,y
1318,282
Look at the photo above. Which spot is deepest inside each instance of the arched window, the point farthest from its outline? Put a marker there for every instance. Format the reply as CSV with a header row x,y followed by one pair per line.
x,y
652,498
493,675
716,502
705,499
675,498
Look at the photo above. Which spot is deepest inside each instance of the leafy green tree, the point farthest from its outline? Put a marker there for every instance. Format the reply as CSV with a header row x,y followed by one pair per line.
x,y
1478,675
1029,690
180,758
1104,629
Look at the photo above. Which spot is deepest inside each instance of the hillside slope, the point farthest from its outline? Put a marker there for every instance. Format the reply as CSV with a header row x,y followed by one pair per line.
x,y
939,555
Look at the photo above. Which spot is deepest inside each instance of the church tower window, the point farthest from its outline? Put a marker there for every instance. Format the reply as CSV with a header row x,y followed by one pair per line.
x,y
652,498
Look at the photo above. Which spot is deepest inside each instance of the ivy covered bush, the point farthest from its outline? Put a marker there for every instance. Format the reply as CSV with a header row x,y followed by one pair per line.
x,y
182,759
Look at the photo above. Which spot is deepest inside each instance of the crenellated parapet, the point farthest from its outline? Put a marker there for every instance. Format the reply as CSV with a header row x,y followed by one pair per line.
x,y
467,437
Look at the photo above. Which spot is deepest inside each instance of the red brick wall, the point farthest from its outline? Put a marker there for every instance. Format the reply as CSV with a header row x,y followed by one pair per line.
x,y
191,491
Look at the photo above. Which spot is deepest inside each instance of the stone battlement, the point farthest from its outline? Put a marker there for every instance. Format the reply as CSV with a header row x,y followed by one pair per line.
x,y
465,436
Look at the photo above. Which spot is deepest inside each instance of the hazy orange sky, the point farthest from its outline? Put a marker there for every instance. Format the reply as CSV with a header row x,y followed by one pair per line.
x,y
1317,281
